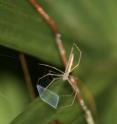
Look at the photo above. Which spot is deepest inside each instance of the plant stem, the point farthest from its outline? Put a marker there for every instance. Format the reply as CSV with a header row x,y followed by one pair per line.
x,y
55,122
51,23
27,75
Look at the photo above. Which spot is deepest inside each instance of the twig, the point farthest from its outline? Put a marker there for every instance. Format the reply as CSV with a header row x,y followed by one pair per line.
x,y
27,75
54,28
55,122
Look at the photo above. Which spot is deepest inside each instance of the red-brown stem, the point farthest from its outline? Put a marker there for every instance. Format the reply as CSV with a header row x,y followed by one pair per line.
x,y
54,28
27,75
45,16
55,122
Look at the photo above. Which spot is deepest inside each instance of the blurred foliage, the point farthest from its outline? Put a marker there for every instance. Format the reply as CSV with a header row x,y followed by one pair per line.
x,y
92,25
13,93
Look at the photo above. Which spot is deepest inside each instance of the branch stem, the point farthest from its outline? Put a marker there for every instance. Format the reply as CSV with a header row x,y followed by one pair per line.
x,y
27,75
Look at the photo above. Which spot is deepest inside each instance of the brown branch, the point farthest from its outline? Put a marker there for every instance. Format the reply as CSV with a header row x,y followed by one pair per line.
x,y
55,122
51,23
27,75
53,27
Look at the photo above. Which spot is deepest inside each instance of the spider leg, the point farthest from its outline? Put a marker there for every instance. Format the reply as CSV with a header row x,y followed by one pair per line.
x,y
80,55
52,82
71,103
52,67
49,74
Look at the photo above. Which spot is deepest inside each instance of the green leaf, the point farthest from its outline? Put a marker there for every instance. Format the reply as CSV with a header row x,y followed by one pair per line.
x,y
40,112
13,97
20,26
91,24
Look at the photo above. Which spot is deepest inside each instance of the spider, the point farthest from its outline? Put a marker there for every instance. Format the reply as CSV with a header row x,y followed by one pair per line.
x,y
50,97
